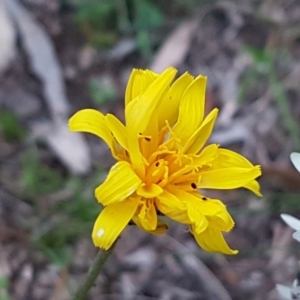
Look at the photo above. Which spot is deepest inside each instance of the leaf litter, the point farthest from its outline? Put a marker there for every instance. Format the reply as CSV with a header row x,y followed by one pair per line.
x,y
213,42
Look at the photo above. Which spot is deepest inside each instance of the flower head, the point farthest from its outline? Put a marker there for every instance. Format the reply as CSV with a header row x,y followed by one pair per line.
x,y
163,162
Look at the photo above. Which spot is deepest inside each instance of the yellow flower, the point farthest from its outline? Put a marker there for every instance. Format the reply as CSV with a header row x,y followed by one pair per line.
x,y
163,163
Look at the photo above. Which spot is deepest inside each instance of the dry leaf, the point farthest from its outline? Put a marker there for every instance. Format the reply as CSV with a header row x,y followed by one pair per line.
x,y
69,147
174,50
7,38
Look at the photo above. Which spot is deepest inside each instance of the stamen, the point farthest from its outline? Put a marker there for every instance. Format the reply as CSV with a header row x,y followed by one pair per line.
x,y
156,172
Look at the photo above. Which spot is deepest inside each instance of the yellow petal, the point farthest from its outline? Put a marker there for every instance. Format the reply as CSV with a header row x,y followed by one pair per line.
x,y
209,207
201,209
168,108
254,187
193,201
136,157
221,220
149,143
196,217
139,111
118,130
112,221
191,109
228,178
172,207
207,156
227,158
138,82
212,240
201,135
147,216
149,191
168,199
91,121
120,183
160,229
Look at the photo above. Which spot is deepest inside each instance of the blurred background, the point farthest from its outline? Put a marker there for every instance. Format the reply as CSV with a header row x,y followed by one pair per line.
x,y
59,56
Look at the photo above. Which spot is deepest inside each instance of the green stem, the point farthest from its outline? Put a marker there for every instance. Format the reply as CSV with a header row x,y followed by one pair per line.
x,y
284,109
93,273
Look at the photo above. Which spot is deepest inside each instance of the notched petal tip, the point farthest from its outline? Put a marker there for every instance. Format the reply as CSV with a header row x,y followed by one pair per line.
x,y
212,240
139,112
258,167
254,187
191,109
138,82
229,178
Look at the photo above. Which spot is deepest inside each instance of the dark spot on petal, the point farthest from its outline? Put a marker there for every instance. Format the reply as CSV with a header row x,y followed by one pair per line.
x,y
193,185
204,198
147,139
157,164
140,133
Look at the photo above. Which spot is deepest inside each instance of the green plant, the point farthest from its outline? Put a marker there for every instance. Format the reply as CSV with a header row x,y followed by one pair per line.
x,y
101,93
37,178
263,68
58,221
9,125
4,288
97,19
148,16
68,220
104,21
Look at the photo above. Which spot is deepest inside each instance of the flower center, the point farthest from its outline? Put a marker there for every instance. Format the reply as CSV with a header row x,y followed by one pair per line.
x,y
169,168
167,164
157,173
